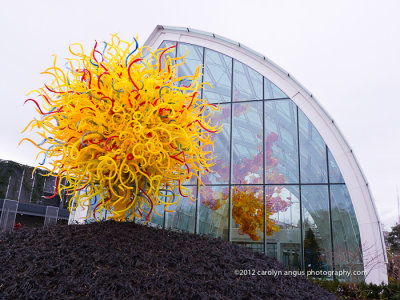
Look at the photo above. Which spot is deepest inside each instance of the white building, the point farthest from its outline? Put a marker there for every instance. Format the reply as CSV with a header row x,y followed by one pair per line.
x,y
281,146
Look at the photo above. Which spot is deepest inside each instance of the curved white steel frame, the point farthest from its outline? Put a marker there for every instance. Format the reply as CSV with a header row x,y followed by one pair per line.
x,y
374,255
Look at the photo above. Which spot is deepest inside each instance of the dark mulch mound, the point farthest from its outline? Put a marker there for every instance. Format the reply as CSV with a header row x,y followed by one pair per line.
x,y
126,260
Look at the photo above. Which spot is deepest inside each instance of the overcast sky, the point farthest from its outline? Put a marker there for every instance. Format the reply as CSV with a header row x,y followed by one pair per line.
x,y
347,53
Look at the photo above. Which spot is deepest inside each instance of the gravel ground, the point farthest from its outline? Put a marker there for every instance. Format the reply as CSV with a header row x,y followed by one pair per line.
x,y
111,260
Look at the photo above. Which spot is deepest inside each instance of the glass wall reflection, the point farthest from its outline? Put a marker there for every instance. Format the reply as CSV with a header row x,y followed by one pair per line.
x,y
234,192
182,215
158,215
281,147
316,226
221,150
247,224
247,151
214,211
346,238
283,224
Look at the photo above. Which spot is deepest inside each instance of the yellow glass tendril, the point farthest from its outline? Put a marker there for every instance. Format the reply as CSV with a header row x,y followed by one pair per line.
x,y
120,124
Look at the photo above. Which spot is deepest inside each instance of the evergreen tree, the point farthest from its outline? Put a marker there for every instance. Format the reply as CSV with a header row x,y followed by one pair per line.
x,y
394,239
312,251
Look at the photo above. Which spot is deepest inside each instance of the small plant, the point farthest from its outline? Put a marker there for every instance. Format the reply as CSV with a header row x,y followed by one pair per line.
x,y
361,289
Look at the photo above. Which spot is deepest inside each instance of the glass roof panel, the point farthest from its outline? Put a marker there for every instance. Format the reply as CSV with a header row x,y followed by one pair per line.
x,y
193,59
218,73
247,83
271,91
335,176
168,54
312,153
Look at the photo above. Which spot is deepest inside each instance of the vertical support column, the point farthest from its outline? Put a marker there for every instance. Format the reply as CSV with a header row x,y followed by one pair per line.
x,y
278,251
230,162
8,214
300,199
197,216
330,211
44,189
33,185
63,192
165,213
20,187
8,187
263,160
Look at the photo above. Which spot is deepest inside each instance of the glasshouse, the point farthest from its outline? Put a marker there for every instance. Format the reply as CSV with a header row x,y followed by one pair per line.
x,y
285,181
